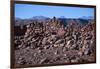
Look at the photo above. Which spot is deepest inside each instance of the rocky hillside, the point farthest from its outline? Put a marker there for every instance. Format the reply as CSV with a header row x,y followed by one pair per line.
x,y
54,41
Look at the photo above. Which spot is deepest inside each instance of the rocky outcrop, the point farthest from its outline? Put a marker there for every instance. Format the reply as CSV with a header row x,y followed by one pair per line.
x,y
51,42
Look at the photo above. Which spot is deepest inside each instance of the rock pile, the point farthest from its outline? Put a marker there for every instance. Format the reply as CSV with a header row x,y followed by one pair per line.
x,y
51,42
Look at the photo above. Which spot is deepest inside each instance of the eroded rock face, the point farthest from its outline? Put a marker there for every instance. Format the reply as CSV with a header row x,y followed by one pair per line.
x,y
48,43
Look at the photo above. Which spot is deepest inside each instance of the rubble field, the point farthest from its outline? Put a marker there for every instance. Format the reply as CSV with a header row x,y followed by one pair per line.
x,y
53,43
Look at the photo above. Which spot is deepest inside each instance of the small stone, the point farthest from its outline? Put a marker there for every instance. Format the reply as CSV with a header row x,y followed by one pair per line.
x,y
68,43
86,52
55,45
27,47
67,61
67,46
80,53
33,40
74,61
65,55
50,42
65,49
46,47
53,36
56,53
32,47
39,51
20,58
61,45
44,41
34,54
19,46
43,60
59,41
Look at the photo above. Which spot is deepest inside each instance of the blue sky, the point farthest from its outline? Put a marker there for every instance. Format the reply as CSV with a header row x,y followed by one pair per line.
x,y
29,10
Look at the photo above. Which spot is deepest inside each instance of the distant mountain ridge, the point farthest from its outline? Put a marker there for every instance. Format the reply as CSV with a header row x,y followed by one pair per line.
x,y
83,20
85,17
39,18
44,18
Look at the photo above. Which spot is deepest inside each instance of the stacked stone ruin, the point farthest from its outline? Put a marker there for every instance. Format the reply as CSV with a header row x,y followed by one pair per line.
x,y
52,35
